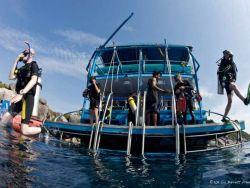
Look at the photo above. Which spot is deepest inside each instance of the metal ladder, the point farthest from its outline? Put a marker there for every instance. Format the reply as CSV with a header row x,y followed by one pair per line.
x,y
99,127
130,127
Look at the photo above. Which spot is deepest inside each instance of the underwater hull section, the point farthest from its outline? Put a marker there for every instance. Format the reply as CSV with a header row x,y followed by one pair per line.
x,y
157,139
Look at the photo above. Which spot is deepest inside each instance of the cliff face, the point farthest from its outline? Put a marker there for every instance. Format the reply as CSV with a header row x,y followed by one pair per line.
x,y
7,91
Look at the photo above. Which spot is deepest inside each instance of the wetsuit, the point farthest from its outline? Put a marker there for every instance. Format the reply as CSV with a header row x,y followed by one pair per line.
x,y
25,106
227,72
152,102
94,96
188,96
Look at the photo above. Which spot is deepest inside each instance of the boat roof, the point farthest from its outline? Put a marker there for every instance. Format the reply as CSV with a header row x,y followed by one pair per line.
x,y
144,46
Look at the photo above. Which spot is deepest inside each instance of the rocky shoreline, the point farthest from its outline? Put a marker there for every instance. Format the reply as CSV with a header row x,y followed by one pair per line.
x,y
7,91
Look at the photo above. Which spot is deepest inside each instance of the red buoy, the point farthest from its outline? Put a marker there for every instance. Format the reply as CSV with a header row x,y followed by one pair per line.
x,y
16,123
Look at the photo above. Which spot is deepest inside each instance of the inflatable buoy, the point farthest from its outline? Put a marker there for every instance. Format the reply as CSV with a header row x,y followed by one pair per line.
x,y
181,105
16,123
132,104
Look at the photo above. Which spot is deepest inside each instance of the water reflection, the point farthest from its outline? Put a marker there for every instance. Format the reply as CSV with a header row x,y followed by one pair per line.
x,y
32,162
15,152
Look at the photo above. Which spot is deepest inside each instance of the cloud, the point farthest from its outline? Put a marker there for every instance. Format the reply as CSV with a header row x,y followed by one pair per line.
x,y
80,37
205,93
12,39
73,68
54,57
128,28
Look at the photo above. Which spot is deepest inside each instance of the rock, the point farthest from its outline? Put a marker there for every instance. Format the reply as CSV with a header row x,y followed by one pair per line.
x,y
74,118
62,119
43,101
43,112
6,94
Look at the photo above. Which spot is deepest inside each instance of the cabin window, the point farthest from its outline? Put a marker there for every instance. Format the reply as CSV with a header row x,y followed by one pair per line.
x,y
126,60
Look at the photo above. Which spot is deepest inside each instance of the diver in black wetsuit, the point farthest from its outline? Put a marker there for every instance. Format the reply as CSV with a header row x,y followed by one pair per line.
x,y
227,73
94,90
183,87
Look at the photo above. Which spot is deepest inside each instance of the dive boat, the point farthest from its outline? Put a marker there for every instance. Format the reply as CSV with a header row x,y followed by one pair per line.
x,y
124,69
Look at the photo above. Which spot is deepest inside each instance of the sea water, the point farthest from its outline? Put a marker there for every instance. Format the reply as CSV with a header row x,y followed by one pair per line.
x,y
48,162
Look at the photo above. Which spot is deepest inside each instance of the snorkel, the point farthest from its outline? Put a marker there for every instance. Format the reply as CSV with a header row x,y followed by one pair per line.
x,y
26,53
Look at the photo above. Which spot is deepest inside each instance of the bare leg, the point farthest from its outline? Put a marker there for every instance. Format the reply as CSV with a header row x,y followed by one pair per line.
x,y
6,118
237,92
96,115
155,118
27,130
192,115
229,104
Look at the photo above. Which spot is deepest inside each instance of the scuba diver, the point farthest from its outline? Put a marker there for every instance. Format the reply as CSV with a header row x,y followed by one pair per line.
x,y
23,101
152,100
227,75
94,93
184,96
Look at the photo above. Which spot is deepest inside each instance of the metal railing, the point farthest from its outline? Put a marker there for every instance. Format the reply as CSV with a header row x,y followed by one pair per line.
x,y
237,130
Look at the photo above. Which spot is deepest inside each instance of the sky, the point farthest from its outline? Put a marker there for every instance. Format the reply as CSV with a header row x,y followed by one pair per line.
x,y
65,33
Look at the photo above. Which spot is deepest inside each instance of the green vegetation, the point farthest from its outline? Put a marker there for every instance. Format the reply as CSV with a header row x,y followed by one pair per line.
x,y
2,85
245,136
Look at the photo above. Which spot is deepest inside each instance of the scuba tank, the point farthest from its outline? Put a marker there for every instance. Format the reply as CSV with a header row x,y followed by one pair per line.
x,y
220,89
37,95
132,104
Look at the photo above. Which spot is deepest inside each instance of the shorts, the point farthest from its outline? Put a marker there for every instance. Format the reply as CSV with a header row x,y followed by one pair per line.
x,y
152,103
227,88
94,104
25,106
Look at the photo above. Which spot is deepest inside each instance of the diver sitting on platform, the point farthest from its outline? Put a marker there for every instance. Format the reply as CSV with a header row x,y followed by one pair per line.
x,y
227,74
184,98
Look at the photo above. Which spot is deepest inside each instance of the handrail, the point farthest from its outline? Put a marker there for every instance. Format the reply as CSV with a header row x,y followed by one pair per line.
x,y
143,122
174,117
233,123
137,108
130,129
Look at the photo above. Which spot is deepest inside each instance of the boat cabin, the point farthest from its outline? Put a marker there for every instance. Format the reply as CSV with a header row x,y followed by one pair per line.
x,y
121,70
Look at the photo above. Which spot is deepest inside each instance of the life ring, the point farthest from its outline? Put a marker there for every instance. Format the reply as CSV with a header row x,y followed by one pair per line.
x,y
16,123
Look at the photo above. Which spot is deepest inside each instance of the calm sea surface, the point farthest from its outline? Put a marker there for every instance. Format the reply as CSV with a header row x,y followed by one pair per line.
x,y
50,163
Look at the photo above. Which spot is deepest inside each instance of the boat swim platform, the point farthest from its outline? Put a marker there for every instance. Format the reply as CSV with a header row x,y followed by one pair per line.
x,y
157,139
167,130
